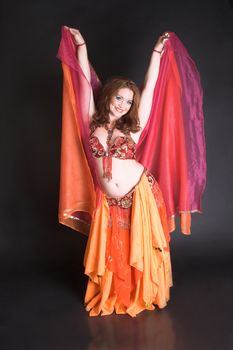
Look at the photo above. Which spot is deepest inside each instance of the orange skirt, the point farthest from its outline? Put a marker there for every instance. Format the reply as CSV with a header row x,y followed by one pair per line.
x,y
127,256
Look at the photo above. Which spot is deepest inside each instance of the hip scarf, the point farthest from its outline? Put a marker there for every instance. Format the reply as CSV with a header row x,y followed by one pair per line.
x,y
127,256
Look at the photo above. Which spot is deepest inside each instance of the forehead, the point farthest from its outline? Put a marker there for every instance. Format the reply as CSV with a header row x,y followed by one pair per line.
x,y
126,93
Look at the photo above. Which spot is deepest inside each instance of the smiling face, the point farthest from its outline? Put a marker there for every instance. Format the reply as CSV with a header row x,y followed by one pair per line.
x,y
120,103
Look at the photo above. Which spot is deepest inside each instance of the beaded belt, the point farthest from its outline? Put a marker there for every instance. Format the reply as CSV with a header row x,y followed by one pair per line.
x,y
126,201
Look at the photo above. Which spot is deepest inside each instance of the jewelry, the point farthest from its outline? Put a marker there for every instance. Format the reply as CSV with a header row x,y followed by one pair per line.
x,y
110,133
107,160
80,44
157,51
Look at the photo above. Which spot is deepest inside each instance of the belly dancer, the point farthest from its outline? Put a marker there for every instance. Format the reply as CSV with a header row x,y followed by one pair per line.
x,y
127,257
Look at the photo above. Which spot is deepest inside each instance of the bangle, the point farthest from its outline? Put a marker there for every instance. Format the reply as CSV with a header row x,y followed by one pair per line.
x,y
80,44
157,51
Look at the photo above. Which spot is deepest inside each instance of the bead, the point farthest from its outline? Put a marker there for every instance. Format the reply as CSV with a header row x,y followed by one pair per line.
x,y
148,305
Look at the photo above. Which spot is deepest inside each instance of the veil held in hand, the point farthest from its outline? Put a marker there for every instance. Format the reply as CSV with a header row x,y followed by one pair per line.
x,y
171,146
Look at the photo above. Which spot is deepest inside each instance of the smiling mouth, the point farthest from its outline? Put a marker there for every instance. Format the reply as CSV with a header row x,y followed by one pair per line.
x,y
119,110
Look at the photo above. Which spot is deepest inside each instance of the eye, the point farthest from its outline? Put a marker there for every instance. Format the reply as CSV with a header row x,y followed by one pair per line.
x,y
118,98
130,102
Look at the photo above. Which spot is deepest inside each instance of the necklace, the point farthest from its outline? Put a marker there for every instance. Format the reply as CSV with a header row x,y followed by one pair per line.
x,y
109,137
107,160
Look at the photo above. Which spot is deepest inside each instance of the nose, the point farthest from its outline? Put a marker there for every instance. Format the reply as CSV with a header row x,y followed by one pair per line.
x,y
121,103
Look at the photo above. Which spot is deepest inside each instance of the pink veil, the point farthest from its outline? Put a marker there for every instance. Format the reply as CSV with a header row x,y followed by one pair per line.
x,y
172,145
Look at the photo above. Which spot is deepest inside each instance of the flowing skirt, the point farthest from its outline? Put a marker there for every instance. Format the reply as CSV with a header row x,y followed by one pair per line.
x,y
127,256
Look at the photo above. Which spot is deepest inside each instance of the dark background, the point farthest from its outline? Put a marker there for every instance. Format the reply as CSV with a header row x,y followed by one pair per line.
x,y
42,284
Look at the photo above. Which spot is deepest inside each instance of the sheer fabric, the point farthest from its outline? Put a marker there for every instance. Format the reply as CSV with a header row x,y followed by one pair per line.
x,y
172,146
127,256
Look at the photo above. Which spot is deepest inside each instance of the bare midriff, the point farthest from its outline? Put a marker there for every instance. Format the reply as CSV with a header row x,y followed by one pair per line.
x,y
126,173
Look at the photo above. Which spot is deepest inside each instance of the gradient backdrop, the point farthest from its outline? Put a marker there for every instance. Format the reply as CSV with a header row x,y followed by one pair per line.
x,y
120,36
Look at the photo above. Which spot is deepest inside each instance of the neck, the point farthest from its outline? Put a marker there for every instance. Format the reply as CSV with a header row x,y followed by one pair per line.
x,y
111,124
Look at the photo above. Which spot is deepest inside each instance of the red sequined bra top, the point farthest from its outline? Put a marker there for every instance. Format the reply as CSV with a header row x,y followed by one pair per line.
x,y
123,147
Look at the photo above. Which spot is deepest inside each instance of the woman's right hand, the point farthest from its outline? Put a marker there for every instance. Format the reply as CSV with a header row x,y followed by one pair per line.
x,y
78,38
160,44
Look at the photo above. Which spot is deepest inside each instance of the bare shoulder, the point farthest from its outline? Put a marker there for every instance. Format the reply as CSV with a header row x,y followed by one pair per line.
x,y
135,136
99,131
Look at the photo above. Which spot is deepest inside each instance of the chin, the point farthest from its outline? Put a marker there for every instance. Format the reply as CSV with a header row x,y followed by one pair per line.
x,y
117,115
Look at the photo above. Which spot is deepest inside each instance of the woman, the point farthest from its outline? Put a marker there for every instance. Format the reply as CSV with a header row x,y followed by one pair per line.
x,y
127,256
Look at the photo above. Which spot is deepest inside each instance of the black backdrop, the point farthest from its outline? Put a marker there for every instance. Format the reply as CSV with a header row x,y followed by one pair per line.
x,y
120,36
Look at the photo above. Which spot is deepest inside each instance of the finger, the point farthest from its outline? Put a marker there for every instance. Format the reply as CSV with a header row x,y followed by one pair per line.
x,y
165,37
164,40
75,30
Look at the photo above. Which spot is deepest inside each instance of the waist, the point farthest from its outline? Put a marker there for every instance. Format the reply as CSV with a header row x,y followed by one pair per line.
x,y
125,175
127,200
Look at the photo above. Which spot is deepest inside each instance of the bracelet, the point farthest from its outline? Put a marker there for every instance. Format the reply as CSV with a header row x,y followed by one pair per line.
x,y
157,51
80,44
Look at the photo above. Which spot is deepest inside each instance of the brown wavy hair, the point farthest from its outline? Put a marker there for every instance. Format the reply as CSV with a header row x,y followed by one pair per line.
x,y
129,122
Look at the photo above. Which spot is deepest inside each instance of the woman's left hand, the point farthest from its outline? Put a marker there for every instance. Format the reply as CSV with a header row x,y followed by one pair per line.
x,y
159,46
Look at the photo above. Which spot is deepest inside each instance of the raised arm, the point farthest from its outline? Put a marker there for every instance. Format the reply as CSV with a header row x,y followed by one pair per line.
x,y
150,81
82,57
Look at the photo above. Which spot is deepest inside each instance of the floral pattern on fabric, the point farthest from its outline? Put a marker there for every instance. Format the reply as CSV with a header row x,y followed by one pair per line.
x,y
123,147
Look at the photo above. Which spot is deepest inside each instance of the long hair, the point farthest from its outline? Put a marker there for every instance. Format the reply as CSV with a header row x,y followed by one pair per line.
x,y
129,122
